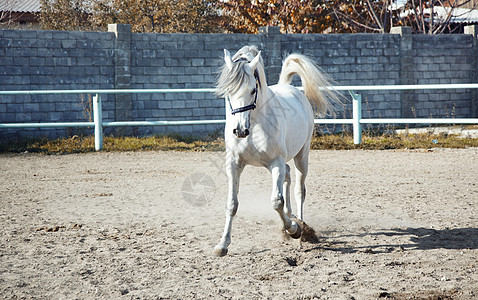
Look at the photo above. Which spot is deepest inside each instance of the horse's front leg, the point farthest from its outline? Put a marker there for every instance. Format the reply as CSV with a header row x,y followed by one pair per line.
x,y
233,174
279,171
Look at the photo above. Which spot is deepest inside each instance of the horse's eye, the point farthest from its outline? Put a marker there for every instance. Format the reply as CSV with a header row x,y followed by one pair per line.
x,y
253,91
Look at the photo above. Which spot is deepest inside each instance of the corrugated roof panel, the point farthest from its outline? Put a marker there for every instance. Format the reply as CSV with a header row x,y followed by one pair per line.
x,y
31,6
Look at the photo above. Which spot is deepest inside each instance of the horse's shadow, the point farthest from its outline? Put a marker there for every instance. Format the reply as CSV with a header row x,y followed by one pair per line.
x,y
419,239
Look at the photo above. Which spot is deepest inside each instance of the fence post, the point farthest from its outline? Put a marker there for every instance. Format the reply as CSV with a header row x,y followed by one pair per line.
x,y
357,116
98,118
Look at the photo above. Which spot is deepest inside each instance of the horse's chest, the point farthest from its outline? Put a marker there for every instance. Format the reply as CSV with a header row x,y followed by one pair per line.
x,y
255,151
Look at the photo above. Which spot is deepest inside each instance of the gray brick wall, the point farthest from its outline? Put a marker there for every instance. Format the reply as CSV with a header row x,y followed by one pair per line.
x,y
433,67
356,59
180,61
48,60
38,60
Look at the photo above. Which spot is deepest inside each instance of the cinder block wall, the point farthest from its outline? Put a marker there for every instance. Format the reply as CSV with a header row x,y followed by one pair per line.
x,y
53,60
444,59
180,61
357,59
39,60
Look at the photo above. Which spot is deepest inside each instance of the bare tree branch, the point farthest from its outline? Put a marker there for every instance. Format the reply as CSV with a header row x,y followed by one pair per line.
x,y
374,16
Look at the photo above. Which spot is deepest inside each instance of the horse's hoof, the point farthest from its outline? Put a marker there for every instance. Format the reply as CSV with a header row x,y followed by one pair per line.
x,y
297,233
218,252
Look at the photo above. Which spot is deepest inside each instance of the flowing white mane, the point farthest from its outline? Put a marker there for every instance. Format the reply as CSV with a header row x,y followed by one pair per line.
x,y
231,80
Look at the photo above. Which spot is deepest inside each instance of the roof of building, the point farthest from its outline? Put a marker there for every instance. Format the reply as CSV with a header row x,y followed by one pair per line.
x,y
459,15
24,6
441,14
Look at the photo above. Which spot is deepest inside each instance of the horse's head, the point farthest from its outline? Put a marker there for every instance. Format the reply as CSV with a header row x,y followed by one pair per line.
x,y
240,84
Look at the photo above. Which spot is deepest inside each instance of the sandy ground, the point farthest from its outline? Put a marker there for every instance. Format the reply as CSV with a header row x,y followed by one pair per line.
x,y
392,225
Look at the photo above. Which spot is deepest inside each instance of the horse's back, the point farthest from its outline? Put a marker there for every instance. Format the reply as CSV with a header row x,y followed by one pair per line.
x,y
293,102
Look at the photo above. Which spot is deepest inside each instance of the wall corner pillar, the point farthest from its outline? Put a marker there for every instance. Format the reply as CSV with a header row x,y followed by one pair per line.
x,y
122,61
271,43
473,30
407,97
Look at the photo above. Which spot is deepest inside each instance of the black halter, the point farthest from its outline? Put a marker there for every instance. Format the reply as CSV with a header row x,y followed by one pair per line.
x,y
256,91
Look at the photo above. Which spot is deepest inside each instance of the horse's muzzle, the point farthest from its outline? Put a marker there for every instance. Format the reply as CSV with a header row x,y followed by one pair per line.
x,y
241,134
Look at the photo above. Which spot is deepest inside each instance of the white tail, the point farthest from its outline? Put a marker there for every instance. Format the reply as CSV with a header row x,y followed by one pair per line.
x,y
313,79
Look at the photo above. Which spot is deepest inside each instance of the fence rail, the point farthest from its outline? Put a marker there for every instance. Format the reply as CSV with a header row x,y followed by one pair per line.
x,y
356,120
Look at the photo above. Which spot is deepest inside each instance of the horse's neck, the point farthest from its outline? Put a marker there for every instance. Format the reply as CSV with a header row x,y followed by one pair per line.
x,y
262,77
265,102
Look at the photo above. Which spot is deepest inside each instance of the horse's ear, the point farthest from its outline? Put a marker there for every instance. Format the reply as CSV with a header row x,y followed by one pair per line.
x,y
227,59
255,61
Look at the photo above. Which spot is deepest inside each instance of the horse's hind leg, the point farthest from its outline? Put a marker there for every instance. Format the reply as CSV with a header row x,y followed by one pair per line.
x,y
233,174
287,181
278,170
301,168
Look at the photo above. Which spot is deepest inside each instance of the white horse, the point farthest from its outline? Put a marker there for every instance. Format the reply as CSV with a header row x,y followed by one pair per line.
x,y
269,126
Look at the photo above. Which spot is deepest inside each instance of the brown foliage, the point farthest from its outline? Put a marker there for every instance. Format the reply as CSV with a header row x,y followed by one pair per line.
x,y
64,15
143,15
246,16
292,16
374,16
157,15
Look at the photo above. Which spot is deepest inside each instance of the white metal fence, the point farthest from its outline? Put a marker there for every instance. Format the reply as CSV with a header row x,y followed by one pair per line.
x,y
356,120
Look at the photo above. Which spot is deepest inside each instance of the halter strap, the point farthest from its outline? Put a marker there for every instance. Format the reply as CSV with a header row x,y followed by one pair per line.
x,y
244,108
241,59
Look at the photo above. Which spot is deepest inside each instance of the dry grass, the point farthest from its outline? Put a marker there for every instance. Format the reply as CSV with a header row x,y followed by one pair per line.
x,y
83,144
393,141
